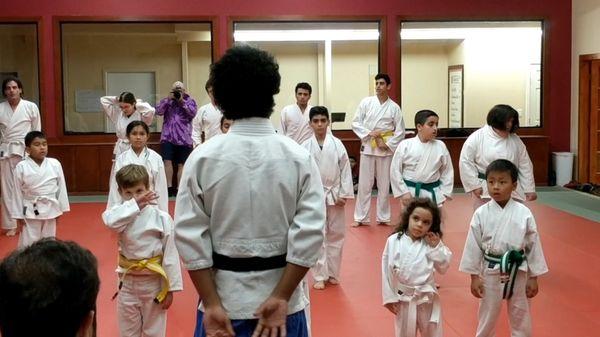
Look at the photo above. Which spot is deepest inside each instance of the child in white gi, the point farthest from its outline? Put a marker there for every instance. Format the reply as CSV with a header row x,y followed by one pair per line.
x,y
409,258
123,110
421,166
138,134
496,140
331,157
149,270
41,191
503,254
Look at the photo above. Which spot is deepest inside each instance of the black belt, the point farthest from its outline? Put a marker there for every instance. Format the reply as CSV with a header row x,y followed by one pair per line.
x,y
245,264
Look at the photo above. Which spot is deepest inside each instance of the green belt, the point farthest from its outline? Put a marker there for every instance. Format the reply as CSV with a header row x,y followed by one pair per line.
x,y
481,176
428,187
509,264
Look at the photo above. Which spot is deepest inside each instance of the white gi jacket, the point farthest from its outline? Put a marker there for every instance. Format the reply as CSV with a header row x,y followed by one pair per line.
x,y
422,162
496,230
334,167
250,193
208,119
155,166
407,276
39,187
15,125
410,263
145,234
483,147
373,116
296,124
143,112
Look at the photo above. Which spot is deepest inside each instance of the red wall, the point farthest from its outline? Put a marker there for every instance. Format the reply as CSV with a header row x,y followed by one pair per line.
x,y
556,13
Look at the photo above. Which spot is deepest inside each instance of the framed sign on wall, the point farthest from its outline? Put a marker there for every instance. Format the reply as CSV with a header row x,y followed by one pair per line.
x,y
455,96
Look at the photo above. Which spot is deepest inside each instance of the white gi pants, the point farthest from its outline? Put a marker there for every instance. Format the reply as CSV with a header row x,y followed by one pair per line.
x,y
517,306
425,327
304,284
330,258
373,167
137,313
35,230
7,181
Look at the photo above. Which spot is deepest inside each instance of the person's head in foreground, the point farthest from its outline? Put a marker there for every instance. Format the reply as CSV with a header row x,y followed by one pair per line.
x,y
48,289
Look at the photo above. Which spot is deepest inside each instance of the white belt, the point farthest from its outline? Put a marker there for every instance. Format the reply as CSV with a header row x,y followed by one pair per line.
x,y
418,295
34,200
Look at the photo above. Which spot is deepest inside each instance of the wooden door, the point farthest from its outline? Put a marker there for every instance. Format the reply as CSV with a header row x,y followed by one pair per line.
x,y
588,163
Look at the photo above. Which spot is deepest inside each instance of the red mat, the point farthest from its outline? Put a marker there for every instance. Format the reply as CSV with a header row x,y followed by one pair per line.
x,y
568,303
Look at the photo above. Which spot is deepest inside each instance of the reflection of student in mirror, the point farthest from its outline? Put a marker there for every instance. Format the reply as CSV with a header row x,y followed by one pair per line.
x,y
122,110
496,140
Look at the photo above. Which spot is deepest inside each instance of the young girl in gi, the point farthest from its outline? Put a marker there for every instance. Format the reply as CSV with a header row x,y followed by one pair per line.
x,y
139,153
123,110
410,256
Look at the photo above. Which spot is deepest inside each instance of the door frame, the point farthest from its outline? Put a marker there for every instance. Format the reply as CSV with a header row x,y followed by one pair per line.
x,y
583,146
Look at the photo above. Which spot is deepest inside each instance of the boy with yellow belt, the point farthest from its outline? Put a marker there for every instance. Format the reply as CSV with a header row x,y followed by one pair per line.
x,y
149,270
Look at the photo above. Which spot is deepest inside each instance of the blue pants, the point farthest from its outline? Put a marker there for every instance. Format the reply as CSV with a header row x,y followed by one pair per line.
x,y
295,324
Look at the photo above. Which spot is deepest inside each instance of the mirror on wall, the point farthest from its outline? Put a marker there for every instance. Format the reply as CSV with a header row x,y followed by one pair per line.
x,y
338,59
19,57
461,69
106,58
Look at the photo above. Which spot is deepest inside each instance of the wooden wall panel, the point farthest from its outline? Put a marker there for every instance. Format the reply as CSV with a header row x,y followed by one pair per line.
x,y
87,166
538,148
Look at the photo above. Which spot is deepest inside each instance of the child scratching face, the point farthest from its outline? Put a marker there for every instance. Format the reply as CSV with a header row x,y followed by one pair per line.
x,y
419,226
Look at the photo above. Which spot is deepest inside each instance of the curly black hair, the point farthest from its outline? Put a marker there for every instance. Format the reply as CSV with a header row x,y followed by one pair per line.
x,y
244,81
425,203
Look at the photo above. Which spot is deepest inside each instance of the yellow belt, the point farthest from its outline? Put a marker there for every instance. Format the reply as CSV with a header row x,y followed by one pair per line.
x,y
154,264
385,136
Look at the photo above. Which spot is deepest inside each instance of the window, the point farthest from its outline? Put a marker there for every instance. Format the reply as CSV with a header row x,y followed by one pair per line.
x,y
104,58
19,57
338,59
500,63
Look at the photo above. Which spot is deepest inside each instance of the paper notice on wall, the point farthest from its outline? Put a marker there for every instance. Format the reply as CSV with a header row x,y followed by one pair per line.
x,y
455,98
88,100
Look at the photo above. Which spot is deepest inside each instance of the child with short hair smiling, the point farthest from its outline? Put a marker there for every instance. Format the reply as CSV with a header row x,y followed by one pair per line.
x,y
503,254
409,258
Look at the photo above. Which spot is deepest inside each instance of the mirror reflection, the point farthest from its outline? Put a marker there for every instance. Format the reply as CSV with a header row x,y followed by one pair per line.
x,y
106,59
338,59
462,69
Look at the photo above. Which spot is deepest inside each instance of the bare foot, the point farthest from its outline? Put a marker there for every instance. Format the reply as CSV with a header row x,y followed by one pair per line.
x,y
357,223
333,281
384,223
319,285
11,232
